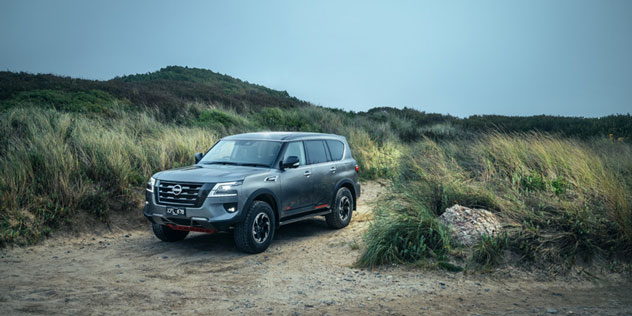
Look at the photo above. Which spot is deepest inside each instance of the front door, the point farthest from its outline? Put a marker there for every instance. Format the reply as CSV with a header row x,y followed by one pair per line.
x,y
296,183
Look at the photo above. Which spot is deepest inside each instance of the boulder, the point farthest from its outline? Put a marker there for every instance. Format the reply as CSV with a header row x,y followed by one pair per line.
x,y
469,224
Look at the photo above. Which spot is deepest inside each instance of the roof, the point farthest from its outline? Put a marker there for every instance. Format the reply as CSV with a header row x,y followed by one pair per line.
x,y
282,136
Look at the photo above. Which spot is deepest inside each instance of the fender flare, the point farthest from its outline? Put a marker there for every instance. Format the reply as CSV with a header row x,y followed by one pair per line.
x,y
257,193
340,183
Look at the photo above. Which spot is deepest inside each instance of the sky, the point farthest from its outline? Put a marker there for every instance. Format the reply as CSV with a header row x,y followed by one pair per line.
x,y
561,57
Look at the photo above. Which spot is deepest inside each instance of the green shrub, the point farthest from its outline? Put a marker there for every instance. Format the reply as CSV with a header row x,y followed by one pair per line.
x,y
79,101
403,234
374,160
559,185
532,182
489,252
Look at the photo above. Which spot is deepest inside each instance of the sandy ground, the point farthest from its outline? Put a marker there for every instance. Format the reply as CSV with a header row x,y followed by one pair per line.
x,y
307,271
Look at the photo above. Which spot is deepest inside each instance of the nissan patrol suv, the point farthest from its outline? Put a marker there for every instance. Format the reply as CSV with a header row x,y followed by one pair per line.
x,y
253,183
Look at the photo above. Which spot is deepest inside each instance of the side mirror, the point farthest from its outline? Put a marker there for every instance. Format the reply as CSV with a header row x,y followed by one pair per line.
x,y
290,162
198,157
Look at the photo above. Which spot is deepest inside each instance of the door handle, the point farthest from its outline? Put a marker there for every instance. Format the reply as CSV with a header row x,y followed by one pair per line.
x,y
333,169
307,173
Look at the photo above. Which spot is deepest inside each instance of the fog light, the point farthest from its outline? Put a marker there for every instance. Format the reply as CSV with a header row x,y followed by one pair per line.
x,y
230,207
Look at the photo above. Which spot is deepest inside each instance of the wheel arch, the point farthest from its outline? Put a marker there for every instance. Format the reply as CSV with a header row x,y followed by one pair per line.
x,y
267,196
349,185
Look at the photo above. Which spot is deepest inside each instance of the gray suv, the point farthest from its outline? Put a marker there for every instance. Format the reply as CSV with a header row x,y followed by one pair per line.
x,y
252,183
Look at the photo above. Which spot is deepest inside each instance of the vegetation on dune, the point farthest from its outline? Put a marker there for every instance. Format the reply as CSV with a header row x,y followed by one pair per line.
x,y
73,146
169,91
56,164
166,90
561,200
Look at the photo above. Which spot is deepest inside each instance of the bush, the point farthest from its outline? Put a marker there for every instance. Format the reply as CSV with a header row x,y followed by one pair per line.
x,y
489,252
374,160
404,234
80,101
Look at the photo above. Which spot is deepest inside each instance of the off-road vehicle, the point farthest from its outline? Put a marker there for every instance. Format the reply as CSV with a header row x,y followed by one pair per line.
x,y
250,184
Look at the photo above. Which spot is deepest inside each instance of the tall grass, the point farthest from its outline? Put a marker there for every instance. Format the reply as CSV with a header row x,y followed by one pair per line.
x,y
56,164
561,200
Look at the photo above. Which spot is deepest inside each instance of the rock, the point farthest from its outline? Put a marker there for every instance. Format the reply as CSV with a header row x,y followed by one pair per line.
x,y
468,224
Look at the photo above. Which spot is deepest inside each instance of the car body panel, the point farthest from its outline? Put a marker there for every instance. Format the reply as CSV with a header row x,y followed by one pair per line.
x,y
290,190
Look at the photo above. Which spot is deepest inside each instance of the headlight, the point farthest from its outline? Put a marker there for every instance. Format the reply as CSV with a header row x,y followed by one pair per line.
x,y
225,189
151,184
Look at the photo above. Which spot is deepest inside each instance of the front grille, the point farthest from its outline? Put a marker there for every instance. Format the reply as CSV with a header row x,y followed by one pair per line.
x,y
190,195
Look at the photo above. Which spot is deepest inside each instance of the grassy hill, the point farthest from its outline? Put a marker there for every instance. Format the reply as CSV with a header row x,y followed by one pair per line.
x,y
74,148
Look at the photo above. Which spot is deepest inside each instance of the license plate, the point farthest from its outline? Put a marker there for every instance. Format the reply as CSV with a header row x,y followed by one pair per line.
x,y
176,211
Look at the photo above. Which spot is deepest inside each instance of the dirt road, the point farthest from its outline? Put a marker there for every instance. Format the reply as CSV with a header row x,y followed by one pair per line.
x,y
307,271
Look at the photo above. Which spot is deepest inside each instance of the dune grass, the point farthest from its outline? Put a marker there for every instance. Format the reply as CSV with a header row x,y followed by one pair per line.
x,y
55,164
58,163
561,201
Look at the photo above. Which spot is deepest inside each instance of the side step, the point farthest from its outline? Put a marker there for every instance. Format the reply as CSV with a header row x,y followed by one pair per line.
x,y
310,215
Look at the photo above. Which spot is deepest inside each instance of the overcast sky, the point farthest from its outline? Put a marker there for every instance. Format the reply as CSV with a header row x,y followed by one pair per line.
x,y
562,57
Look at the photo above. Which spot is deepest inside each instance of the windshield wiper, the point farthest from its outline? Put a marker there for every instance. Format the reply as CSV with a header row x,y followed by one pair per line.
x,y
221,163
254,164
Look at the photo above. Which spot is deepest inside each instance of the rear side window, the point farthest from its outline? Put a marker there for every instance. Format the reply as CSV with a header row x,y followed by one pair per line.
x,y
315,151
336,149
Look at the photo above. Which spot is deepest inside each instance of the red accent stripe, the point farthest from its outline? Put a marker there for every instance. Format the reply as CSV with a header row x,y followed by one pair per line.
x,y
192,229
321,206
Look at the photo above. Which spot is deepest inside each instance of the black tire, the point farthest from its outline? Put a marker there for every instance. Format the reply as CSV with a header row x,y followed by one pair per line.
x,y
256,232
342,209
165,233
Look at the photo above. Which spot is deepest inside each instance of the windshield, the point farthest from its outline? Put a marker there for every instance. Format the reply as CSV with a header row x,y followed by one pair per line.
x,y
258,153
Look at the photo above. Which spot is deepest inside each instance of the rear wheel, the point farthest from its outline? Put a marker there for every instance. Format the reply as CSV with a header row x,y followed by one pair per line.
x,y
342,209
256,232
165,233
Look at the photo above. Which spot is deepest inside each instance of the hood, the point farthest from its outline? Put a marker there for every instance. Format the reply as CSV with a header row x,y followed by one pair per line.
x,y
209,173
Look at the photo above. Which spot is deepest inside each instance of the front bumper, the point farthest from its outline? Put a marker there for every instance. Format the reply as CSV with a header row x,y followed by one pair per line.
x,y
210,215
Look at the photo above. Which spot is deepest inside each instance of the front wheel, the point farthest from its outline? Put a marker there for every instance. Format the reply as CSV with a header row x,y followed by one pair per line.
x,y
165,233
256,232
342,209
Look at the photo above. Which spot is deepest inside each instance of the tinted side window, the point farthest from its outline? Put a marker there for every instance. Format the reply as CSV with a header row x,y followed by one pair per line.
x,y
315,151
336,148
295,149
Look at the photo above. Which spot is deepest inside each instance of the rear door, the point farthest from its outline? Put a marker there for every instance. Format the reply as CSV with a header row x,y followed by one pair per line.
x,y
338,169
323,172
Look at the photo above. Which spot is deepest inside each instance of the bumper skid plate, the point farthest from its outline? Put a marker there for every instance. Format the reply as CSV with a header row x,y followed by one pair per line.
x,y
192,229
